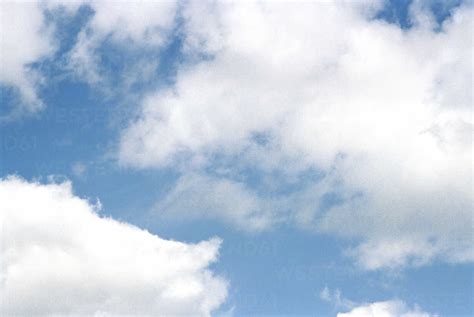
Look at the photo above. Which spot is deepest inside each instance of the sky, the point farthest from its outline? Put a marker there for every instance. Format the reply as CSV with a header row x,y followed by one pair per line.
x,y
248,158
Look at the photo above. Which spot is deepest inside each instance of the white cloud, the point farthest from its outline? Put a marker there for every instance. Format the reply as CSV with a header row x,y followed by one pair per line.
x,y
385,309
24,39
59,257
385,113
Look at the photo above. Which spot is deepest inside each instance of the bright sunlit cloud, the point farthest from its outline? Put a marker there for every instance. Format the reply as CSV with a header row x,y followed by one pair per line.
x,y
60,257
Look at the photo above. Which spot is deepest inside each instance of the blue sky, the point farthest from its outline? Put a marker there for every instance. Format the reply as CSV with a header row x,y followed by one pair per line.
x,y
255,153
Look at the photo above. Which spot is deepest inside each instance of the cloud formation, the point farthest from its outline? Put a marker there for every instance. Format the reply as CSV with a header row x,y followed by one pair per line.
x,y
133,25
24,39
385,309
59,257
384,114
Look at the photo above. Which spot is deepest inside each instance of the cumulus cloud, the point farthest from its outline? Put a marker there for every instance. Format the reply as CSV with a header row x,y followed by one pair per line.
x,y
24,39
386,309
384,114
60,257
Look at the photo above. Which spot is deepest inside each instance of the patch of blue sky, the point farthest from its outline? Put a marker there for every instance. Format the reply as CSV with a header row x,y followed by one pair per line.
x,y
398,11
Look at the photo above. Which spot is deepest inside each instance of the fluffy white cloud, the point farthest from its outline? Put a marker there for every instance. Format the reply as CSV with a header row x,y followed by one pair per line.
x,y
384,113
59,257
24,39
385,309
